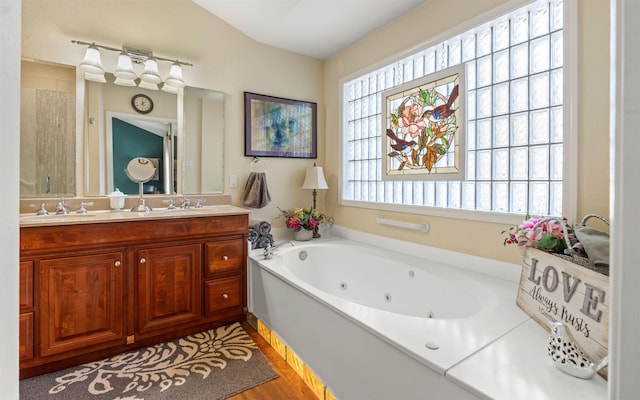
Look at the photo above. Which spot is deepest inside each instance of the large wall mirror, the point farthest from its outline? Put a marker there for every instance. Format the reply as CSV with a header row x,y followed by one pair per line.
x,y
183,134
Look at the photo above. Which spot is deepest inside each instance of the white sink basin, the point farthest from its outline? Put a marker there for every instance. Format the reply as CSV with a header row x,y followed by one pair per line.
x,y
55,216
178,211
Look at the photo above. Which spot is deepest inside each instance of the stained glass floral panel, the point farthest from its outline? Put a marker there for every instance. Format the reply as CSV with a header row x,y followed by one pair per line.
x,y
423,133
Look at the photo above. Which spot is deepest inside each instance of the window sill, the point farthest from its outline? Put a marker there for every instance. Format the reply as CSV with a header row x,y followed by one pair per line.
x,y
468,215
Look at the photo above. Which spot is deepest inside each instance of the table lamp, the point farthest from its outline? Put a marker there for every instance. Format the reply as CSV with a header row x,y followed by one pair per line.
x,y
315,180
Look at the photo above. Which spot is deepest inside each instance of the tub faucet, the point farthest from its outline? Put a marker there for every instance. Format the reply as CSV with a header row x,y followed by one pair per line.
x,y
268,251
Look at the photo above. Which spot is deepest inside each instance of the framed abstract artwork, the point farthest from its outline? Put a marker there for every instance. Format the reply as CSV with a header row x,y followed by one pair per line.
x,y
423,128
277,127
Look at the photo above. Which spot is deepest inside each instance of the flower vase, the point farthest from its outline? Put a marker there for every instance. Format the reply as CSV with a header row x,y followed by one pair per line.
x,y
303,234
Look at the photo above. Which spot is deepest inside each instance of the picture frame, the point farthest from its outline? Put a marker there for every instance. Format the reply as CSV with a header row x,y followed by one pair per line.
x,y
279,127
423,121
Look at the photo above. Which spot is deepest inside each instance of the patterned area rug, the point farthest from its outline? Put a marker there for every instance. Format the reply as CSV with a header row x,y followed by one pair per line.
x,y
215,364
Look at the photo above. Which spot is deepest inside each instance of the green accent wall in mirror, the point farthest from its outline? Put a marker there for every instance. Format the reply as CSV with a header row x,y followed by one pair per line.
x,y
129,142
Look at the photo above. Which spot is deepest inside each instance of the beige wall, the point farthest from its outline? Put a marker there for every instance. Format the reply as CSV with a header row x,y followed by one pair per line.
x,y
224,59
473,237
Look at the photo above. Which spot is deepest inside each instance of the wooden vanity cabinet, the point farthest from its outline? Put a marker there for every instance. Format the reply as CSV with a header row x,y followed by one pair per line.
x,y
90,291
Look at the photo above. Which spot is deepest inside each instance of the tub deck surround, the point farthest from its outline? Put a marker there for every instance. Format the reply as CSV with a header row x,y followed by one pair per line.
x,y
470,309
358,344
515,367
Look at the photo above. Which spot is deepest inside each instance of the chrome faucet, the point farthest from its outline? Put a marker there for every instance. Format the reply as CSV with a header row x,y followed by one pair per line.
x,y
62,208
171,205
42,210
186,203
82,209
268,251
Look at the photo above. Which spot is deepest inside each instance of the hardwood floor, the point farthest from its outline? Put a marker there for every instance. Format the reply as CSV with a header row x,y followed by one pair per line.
x,y
289,385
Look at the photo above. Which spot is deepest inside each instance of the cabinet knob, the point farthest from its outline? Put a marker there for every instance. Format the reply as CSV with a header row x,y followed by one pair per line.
x,y
225,258
225,296
117,263
143,260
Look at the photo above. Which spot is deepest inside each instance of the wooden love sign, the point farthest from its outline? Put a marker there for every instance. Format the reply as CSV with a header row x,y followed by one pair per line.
x,y
553,289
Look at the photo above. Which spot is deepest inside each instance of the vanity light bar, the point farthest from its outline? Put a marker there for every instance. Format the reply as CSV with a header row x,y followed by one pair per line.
x,y
124,73
137,56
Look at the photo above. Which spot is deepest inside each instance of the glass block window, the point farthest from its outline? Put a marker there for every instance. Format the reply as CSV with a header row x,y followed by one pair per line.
x,y
514,118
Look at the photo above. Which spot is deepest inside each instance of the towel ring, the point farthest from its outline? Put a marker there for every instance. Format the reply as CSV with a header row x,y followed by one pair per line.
x,y
257,161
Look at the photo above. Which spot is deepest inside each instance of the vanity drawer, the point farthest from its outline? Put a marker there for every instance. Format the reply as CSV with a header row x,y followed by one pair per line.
x,y
222,294
26,284
224,257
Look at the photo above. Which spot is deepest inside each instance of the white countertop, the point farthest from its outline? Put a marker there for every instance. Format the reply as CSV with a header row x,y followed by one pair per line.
x,y
105,216
517,367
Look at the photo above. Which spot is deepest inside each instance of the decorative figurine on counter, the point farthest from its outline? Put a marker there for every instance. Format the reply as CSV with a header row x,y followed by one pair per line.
x,y
568,357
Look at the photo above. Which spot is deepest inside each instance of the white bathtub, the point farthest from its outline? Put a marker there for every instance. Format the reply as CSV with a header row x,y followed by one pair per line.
x,y
379,324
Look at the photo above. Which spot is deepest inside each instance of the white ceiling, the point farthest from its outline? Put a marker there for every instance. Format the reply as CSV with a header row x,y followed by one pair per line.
x,y
315,28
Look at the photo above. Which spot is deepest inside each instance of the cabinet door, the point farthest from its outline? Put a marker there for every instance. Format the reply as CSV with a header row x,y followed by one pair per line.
x,y
224,257
81,303
169,281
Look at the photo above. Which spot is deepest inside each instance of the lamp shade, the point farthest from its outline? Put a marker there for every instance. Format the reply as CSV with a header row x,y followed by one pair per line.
x,y
174,79
92,62
169,88
95,77
150,73
124,70
147,85
125,82
315,179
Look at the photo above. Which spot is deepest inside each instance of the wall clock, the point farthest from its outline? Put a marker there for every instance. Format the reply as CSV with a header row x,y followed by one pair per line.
x,y
142,103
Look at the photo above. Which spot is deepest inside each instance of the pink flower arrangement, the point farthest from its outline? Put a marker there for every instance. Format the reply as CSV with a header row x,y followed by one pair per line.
x,y
304,218
542,233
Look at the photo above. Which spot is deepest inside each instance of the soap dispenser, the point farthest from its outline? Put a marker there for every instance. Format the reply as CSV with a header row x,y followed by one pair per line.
x,y
116,199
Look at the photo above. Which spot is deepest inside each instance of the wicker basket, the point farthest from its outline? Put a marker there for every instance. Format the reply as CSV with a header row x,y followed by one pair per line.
x,y
576,259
